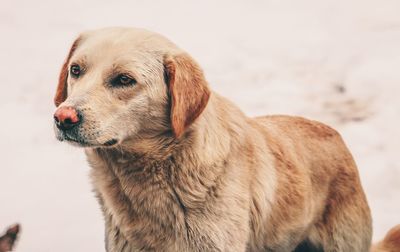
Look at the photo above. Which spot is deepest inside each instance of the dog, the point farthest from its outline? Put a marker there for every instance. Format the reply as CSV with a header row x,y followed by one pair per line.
x,y
177,167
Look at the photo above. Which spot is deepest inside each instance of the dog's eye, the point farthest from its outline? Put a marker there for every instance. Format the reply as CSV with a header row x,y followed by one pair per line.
x,y
122,80
75,71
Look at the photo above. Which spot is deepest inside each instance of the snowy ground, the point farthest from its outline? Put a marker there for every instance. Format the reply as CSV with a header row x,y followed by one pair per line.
x,y
335,61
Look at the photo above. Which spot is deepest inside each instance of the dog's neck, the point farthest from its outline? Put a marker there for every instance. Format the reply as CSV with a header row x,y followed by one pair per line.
x,y
162,174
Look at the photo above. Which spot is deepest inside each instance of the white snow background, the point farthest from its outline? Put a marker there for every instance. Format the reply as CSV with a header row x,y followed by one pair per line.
x,y
334,60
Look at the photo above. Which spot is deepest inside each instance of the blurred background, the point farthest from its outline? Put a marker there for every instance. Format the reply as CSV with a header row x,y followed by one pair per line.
x,y
334,61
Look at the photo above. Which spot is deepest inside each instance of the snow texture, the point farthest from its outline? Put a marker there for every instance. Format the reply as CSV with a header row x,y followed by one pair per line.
x,y
336,61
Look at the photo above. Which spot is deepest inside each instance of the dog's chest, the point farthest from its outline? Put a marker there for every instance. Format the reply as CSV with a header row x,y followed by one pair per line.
x,y
140,207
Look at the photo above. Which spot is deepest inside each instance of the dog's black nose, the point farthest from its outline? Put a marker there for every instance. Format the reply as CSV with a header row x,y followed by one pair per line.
x,y
66,118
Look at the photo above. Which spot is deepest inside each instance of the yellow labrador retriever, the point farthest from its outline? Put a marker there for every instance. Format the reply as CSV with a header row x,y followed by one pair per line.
x,y
177,167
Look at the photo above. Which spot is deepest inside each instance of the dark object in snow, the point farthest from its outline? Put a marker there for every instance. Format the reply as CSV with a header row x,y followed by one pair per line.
x,y
7,241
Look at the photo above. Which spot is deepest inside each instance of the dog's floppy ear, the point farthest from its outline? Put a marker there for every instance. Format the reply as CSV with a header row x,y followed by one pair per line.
x,y
61,92
188,90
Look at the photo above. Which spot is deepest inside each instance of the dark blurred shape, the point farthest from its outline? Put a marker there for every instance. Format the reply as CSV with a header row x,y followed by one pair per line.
x,y
7,241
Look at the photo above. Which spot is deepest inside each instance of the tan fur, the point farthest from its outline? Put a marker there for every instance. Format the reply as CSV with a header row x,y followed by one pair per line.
x,y
188,89
391,242
61,92
190,172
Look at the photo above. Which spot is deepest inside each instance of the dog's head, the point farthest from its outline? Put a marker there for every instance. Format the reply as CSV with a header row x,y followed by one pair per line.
x,y
121,83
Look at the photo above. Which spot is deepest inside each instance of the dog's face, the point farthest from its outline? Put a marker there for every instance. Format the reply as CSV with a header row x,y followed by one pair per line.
x,y
121,83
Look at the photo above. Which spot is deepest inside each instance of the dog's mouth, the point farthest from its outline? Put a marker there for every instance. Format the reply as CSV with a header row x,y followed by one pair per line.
x,y
81,142
111,142
76,141
84,143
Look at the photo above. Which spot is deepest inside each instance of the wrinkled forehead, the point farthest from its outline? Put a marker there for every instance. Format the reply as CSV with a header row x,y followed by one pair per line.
x,y
121,46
